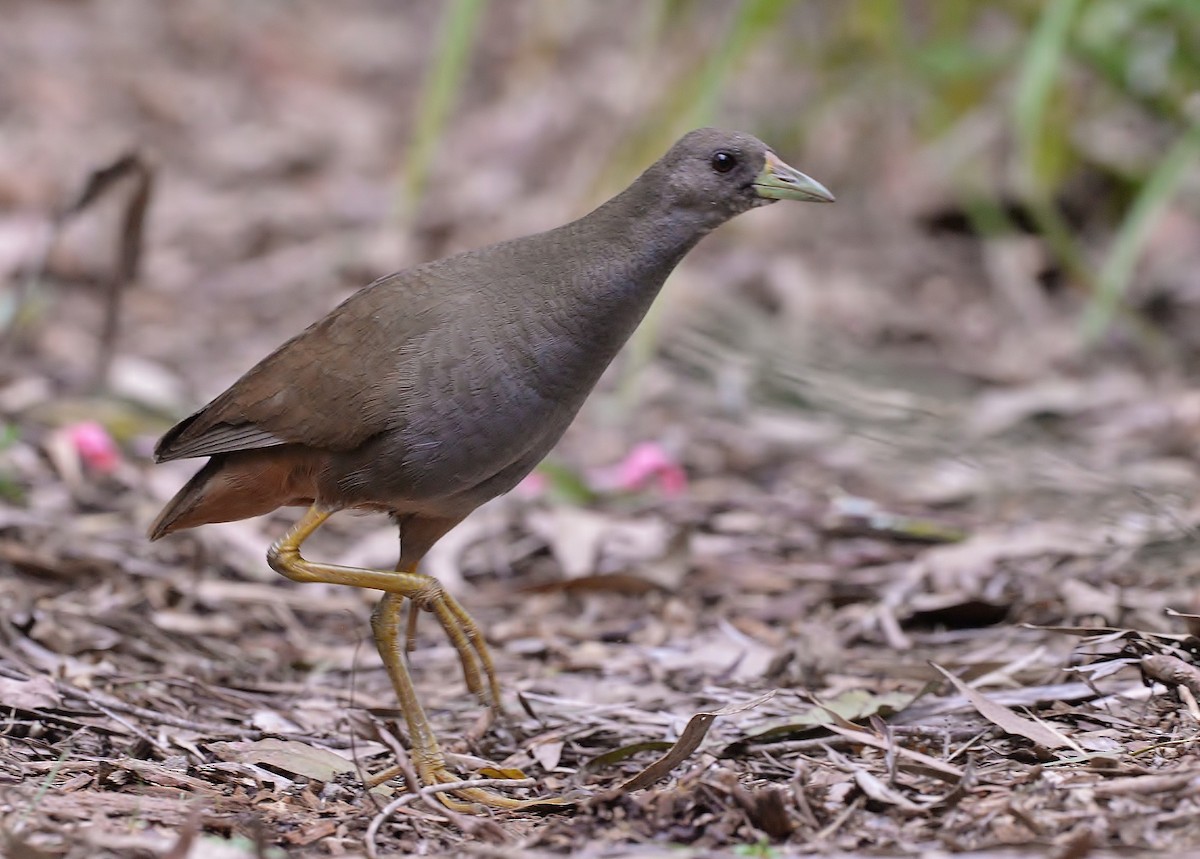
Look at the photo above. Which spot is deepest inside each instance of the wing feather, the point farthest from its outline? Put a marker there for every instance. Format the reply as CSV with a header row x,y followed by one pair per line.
x,y
306,392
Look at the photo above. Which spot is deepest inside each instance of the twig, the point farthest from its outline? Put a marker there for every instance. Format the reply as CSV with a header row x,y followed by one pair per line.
x,y
129,250
129,255
838,821
427,794
133,729
362,774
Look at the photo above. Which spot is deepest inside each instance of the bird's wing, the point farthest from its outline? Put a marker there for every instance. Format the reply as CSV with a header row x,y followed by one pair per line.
x,y
328,387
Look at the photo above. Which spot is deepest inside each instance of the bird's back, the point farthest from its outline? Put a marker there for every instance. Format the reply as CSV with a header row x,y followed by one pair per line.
x,y
444,383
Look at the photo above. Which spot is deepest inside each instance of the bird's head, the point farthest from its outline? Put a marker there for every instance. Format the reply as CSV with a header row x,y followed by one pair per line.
x,y
718,174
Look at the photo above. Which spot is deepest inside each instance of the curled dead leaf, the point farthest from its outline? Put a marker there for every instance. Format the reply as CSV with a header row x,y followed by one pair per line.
x,y
1007,720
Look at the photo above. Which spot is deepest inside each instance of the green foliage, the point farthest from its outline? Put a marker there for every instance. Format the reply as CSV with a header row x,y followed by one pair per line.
x,y
1052,72
753,22
564,485
1041,145
1040,75
1042,127
1065,68
1157,191
10,490
761,849
451,59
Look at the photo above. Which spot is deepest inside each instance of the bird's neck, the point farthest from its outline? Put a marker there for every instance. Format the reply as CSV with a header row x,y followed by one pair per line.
x,y
610,265
648,220
631,244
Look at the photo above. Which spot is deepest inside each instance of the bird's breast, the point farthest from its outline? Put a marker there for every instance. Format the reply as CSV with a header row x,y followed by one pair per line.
x,y
487,392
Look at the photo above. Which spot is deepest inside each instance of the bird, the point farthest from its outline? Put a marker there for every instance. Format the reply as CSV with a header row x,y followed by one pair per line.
x,y
435,389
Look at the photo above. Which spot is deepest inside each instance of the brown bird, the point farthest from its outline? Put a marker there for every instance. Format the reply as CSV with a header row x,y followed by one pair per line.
x,y
438,388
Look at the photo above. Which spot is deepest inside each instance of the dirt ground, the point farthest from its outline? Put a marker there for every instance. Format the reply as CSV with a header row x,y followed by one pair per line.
x,y
930,560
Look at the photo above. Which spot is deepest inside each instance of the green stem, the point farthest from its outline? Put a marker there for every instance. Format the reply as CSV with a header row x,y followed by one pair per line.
x,y
451,59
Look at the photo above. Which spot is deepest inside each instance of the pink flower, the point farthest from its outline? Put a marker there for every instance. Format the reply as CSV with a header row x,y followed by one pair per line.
x,y
95,446
533,485
647,462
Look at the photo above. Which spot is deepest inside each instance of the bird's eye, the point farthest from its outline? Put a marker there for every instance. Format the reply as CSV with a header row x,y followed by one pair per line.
x,y
723,161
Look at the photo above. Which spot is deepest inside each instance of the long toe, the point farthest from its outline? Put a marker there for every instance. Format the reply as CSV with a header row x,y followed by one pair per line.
x,y
473,800
479,671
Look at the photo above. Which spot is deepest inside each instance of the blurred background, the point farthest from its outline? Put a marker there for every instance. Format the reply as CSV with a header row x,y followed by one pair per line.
x,y
1016,180
987,345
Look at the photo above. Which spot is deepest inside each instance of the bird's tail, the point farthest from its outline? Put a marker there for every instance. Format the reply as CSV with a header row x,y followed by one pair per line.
x,y
179,511
239,485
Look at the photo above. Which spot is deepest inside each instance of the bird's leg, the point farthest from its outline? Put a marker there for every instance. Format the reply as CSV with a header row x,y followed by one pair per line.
x,y
478,668
460,628
425,591
428,760
418,534
464,634
410,633
467,657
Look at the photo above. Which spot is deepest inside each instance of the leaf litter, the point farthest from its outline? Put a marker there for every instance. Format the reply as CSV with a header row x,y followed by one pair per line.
x,y
969,591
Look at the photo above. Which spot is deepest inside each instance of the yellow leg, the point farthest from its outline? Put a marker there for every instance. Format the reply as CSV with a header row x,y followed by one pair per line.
x,y
464,634
424,592
428,761
410,636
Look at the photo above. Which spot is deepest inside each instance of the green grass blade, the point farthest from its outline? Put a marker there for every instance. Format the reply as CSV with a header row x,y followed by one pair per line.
x,y
1040,146
1035,86
699,99
753,21
451,58
1159,189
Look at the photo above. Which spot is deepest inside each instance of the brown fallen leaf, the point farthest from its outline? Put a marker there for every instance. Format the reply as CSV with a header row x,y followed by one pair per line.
x,y
315,832
764,806
156,773
1145,785
880,792
846,707
689,740
614,756
931,766
288,755
548,754
1172,671
616,583
1004,718
33,694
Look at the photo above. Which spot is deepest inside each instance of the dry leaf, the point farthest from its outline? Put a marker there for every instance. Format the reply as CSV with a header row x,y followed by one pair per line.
x,y
689,740
548,754
999,715
37,693
288,755
938,769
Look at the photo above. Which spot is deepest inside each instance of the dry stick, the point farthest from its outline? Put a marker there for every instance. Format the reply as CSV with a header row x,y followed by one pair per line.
x,y
103,703
1189,700
362,774
128,258
840,820
801,797
133,729
401,767
427,793
129,251
186,835
469,825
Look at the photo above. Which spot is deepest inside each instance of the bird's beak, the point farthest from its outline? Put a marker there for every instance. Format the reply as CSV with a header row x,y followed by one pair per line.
x,y
778,181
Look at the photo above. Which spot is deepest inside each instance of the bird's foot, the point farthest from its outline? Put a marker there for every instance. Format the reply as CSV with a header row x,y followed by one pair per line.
x,y
467,799
474,799
478,669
